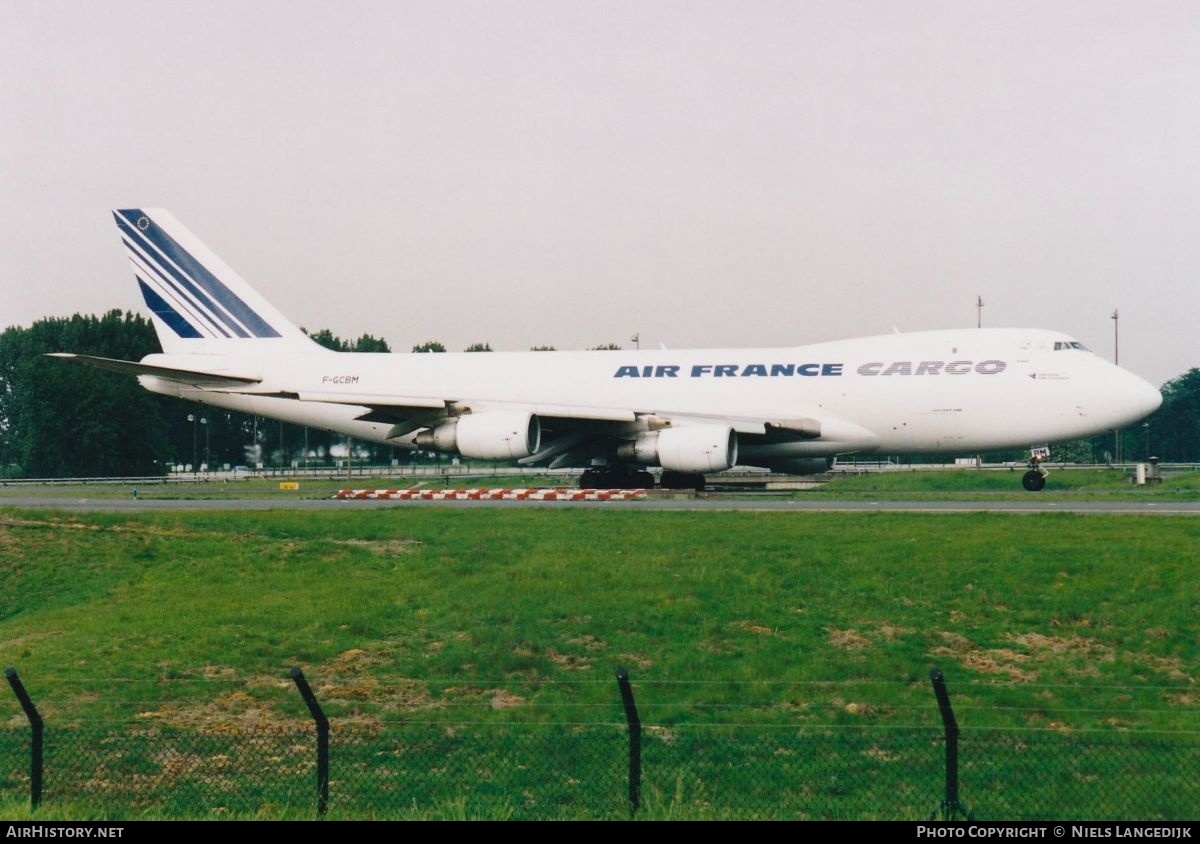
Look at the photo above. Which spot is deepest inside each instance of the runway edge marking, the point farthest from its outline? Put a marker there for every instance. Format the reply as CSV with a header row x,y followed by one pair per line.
x,y
517,494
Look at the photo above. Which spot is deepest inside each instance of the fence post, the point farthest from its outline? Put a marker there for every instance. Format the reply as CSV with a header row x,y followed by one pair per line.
x,y
951,807
35,724
322,723
635,740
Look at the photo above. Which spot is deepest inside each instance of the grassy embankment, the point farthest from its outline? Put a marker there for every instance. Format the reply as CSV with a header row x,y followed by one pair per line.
x,y
822,622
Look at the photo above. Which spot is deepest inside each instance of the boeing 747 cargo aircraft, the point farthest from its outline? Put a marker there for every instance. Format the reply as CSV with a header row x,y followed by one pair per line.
x,y
616,413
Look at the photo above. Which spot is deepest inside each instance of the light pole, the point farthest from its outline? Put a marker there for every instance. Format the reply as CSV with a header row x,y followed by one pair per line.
x,y
192,419
979,312
1146,428
207,441
1116,362
1116,317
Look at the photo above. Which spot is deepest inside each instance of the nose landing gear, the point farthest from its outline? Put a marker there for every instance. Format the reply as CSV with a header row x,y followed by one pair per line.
x,y
1035,478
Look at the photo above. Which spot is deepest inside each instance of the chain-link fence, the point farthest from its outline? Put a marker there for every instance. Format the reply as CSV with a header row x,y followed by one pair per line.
x,y
524,770
1032,775
581,771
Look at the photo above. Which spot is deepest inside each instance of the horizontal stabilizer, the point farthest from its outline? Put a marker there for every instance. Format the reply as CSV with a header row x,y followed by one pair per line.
x,y
194,377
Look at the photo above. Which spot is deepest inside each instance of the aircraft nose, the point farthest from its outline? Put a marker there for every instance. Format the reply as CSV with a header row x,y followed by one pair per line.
x,y
1149,397
1142,397
1121,398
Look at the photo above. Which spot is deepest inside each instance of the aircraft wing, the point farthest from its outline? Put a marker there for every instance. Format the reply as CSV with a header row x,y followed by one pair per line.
x,y
572,434
407,406
390,407
382,408
198,378
396,408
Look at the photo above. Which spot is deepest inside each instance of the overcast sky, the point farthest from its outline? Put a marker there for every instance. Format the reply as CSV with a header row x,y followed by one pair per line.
x,y
568,173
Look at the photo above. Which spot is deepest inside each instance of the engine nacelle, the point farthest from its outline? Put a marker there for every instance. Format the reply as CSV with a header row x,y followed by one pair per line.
x,y
691,448
504,435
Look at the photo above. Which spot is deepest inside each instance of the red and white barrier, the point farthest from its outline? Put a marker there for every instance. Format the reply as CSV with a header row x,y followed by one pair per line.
x,y
534,494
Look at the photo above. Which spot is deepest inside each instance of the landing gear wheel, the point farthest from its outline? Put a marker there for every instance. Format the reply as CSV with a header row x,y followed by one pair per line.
x,y
615,477
682,480
1033,480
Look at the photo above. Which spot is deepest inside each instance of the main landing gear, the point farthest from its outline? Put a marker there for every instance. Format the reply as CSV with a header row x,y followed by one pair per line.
x,y
1035,479
626,477
615,477
682,480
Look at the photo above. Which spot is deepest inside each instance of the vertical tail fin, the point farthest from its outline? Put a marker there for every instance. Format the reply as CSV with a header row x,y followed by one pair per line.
x,y
198,303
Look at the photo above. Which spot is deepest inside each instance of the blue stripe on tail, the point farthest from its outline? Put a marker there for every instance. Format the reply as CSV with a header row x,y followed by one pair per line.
x,y
161,309
170,281
243,313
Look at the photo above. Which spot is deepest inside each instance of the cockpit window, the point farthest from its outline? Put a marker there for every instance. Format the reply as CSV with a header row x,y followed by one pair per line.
x,y
1060,345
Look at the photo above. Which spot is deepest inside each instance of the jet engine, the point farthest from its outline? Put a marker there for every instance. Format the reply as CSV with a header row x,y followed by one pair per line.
x,y
503,435
692,448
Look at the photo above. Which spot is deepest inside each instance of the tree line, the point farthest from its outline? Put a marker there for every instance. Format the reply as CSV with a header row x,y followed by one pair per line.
x,y
59,419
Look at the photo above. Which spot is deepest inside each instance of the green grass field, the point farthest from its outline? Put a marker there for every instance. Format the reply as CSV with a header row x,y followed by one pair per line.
x,y
508,623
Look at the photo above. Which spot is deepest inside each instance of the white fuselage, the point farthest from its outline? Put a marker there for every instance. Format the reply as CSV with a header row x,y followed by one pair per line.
x,y
954,391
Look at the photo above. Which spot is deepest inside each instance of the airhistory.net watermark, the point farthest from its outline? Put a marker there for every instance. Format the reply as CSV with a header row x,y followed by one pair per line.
x,y
51,830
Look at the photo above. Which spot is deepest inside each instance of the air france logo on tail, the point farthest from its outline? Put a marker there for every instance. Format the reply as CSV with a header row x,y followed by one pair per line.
x,y
180,290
